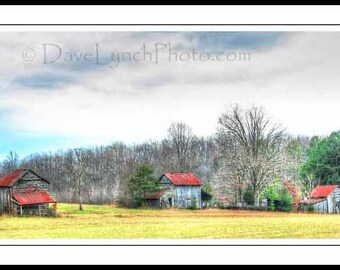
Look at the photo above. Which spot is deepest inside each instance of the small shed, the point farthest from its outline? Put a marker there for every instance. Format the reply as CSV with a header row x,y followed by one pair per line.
x,y
180,190
154,199
324,199
23,192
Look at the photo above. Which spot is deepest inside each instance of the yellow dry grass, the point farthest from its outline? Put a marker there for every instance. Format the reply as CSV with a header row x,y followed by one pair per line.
x,y
108,222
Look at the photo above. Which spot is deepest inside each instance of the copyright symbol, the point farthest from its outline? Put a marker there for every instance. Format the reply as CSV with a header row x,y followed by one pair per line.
x,y
29,54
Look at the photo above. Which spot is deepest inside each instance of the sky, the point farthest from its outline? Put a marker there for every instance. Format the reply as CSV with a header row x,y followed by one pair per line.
x,y
69,89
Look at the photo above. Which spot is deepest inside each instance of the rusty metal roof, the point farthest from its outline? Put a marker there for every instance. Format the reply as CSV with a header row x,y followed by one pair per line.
x,y
9,179
183,179
322,191
31,198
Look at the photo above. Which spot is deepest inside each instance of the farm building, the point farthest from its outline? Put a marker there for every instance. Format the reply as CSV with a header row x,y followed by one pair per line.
x,y
324,199
180,190
23,192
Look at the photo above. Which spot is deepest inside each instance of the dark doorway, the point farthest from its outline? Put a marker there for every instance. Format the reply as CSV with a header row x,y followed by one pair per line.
x,y
170,202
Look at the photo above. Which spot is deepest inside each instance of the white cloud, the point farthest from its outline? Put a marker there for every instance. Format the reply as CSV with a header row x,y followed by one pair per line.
x,y
297,81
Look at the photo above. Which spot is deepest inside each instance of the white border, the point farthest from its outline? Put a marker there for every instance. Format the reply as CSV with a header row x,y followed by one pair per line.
x,y
169,28
173,242
169,255
278,14
170,15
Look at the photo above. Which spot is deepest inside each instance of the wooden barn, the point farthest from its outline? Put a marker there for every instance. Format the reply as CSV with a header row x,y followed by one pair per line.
x,y
324,199
180,190
23,192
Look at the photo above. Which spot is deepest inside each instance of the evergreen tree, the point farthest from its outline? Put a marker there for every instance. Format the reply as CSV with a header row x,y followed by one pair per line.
x,y
323,162
141,182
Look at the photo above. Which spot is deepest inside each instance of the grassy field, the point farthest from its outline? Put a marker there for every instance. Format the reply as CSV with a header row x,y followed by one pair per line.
x,y
106,222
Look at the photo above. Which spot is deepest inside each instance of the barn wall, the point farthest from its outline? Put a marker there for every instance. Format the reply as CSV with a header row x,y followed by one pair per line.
x,y
187,196
169,194
26,185
33,210
321,207
165,181
334,202
5,200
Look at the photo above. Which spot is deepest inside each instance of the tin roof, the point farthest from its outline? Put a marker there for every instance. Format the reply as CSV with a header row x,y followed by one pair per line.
x,y
322,191
9,179
183,179
33,198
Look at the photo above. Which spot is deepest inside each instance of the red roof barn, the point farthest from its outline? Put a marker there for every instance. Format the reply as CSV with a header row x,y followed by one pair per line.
x,y
181,190
23,192
324,199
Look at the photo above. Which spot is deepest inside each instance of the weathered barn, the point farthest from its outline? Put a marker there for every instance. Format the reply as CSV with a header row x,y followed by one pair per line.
x,y
181,190
324,199
23,192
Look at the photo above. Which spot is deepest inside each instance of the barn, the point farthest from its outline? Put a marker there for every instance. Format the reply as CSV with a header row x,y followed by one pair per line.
x,y
324,199
23,192
180,190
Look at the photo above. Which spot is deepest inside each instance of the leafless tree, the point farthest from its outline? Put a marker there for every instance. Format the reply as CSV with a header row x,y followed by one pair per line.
x,y
11,162
180,139
230,178
254,143
293,154
80,165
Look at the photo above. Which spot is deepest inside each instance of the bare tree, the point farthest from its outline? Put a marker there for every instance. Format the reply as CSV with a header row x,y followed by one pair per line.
x,y
230,178
11,163
255,143
80,166
181,139
293,154
308,183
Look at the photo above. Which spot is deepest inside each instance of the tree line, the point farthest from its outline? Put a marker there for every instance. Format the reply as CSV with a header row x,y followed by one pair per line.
x,y
249,155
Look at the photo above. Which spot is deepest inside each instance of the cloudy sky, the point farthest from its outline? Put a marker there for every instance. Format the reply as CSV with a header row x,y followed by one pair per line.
x,y
70,89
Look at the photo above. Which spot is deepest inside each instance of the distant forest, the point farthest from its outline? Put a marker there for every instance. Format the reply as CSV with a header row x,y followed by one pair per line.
x,y
248,154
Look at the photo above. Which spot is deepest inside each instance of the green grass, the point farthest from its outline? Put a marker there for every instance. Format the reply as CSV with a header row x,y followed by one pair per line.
x,y
107,222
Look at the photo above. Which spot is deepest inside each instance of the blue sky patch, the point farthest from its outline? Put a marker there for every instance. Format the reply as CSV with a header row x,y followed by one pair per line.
x,y
237,40
46,80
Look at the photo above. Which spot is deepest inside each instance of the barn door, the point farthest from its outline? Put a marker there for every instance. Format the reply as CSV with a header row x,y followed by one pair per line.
x,y
170,202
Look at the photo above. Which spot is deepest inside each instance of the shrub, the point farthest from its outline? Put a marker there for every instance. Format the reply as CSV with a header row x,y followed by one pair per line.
x,y
279,198
310,208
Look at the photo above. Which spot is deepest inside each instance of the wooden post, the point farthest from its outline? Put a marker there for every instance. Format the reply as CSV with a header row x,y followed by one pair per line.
x,y
20,210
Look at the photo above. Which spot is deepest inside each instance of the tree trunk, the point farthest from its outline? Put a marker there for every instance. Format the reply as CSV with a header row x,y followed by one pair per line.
x,y
80,202
256,198
80,198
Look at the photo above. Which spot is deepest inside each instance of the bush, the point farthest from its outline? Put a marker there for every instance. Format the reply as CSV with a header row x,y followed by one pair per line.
x,y
271,206
248,197
310,208
287,200
278,197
